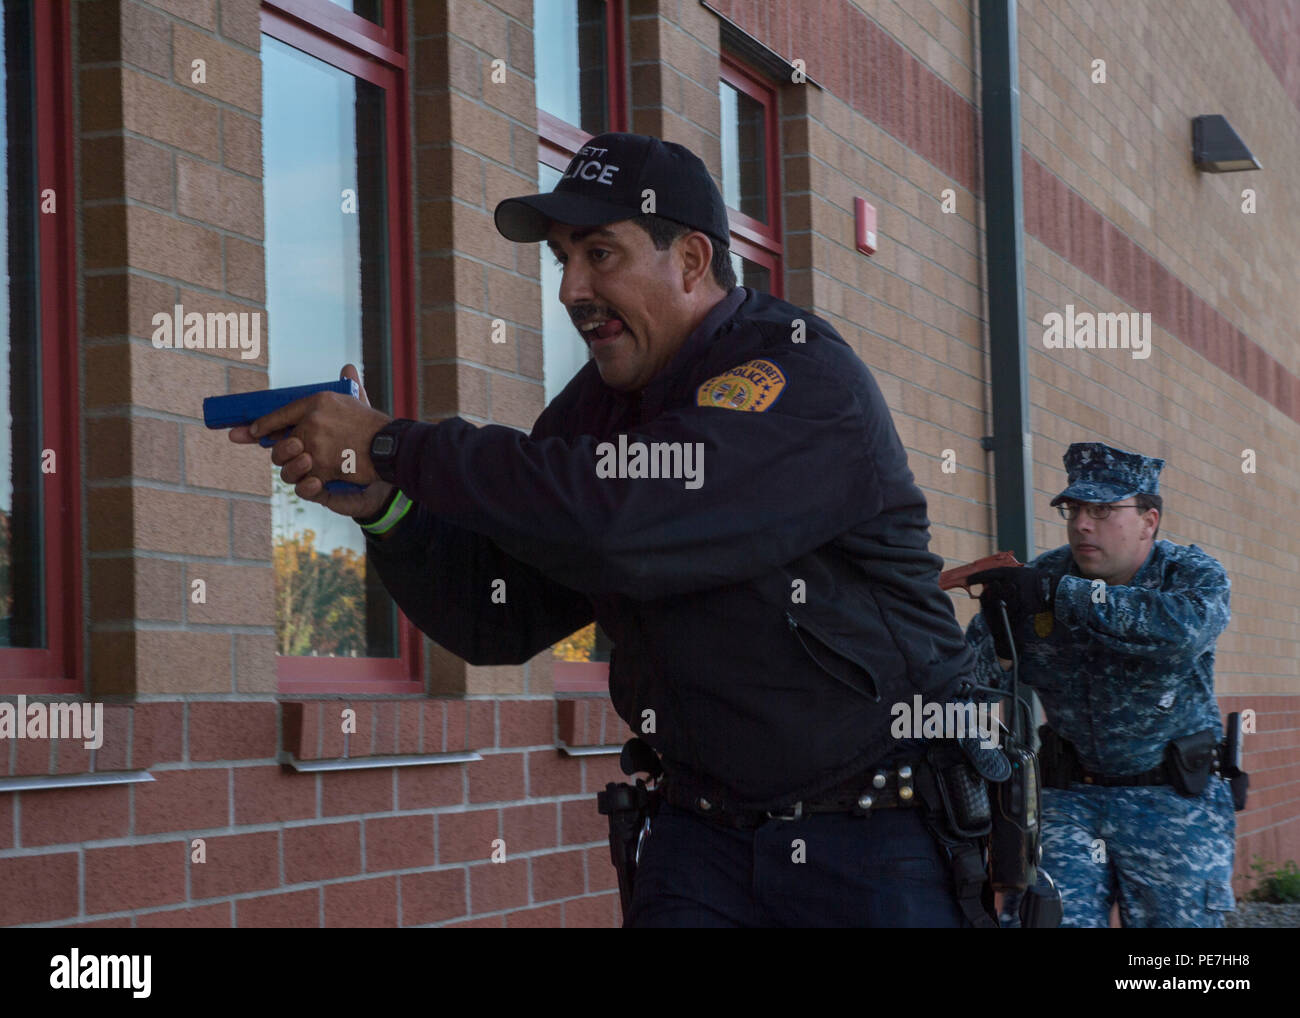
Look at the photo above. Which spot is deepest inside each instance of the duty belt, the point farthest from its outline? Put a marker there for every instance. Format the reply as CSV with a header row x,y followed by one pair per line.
x,y
1060,763
880,788
1158,775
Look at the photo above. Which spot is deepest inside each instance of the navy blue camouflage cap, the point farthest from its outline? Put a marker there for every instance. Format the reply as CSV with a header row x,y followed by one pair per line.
x,y
1098,473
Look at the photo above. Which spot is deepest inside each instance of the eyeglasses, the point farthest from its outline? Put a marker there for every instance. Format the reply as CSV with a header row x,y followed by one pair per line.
x,y
1096,510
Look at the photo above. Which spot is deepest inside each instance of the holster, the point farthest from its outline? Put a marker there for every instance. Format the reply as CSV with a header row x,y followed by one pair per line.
x,y
1041,908
959,815
1230,763
1189,760
628,807
1240,785
963,794
1057,759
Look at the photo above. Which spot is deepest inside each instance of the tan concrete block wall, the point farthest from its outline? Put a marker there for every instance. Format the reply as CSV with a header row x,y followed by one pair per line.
x,y
1223,375
475,144
171,212
673,59
1124,146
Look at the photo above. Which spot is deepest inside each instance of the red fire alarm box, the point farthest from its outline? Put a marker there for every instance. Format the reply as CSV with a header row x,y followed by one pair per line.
x,y
865,217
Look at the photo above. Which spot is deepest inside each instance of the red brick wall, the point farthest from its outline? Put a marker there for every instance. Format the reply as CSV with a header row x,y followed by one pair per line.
x,y
388,846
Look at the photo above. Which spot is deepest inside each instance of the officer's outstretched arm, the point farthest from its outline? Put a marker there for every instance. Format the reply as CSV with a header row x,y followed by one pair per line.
x,y
746,490
466,594
1183,619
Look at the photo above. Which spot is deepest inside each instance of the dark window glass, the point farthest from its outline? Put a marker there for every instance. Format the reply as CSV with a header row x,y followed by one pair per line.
x,y
371,10
751,274
328,304
744,146
569,51
22,596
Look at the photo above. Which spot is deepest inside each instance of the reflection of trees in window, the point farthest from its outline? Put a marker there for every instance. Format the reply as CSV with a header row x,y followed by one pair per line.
x,y
590,643
320,599
328,271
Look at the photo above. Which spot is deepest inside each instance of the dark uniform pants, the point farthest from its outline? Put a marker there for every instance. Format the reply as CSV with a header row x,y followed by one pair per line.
x,y
827,869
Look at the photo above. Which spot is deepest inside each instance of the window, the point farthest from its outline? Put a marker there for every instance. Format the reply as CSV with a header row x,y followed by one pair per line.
x,y
581,69
39,512
751,176
578,51
337,283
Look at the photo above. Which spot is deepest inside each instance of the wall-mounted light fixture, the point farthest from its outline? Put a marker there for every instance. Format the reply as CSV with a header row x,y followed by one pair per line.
x,y
1216,147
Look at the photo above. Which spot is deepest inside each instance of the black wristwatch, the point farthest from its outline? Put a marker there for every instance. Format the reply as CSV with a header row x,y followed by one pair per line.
x,y
384,446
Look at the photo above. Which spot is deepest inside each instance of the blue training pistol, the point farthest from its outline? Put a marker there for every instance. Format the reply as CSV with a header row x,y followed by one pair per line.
x,y
246,407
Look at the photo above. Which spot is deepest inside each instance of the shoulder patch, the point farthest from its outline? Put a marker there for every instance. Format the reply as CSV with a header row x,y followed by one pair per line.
x,y
754,385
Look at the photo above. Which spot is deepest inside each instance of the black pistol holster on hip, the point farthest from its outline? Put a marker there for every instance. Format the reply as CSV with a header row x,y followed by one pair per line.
x,y
959,815
1189,760
1230,762
1058,760
630,809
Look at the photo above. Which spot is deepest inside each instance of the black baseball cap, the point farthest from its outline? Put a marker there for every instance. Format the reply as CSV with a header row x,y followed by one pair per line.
x,y
607,181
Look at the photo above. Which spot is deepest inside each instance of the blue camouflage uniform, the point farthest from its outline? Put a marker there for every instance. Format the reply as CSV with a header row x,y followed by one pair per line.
x,y
1119,679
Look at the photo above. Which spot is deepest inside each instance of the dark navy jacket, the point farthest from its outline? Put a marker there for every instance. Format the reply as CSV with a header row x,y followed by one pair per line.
x,y
769,616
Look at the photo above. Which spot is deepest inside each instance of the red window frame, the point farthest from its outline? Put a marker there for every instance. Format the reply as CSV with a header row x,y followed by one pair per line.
x,y
557,143
56,668
378,55
384,42
751,238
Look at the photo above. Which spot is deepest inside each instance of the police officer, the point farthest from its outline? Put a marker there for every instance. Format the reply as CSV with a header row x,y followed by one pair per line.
x,y
721,486
1116,632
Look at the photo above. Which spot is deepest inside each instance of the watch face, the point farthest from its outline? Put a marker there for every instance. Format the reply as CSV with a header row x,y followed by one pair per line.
x,y
383,445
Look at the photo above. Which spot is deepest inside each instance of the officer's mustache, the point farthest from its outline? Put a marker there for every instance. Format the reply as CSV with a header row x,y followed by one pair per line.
x,y
584,313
